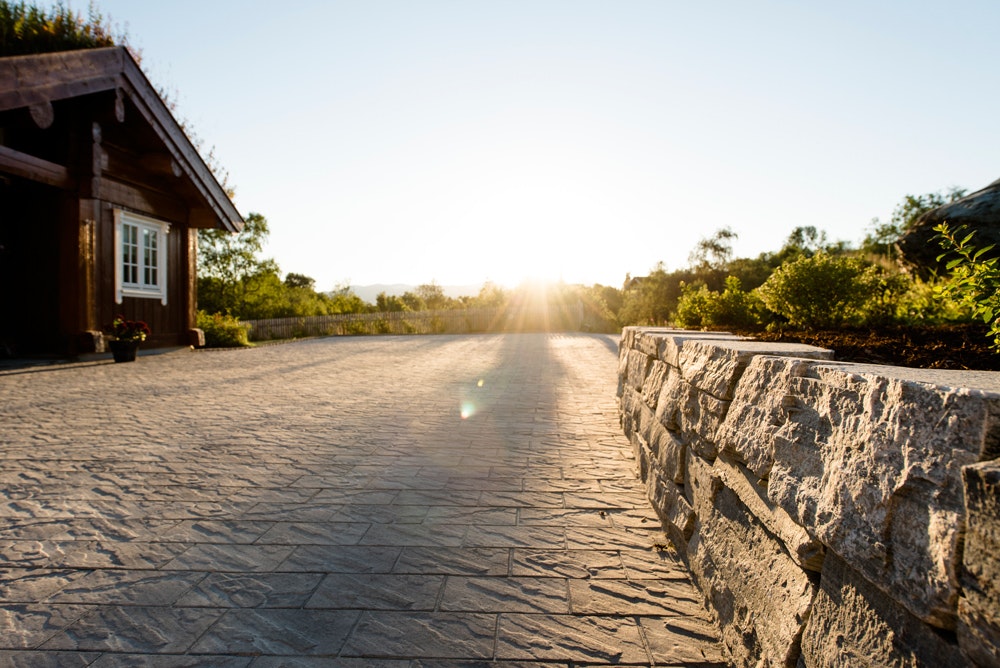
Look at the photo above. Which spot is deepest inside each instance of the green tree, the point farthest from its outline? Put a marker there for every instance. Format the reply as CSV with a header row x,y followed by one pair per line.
x,y
413,301
293,280
391,303
491,295
882,237
433,297
231,273
343,300
714,252
651,299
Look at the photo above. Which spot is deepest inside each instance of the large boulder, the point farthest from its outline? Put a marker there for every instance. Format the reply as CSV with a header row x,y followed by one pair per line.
x,y
980,212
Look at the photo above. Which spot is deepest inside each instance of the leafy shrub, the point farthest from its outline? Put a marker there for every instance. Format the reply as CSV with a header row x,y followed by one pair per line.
x,y
928,302
733,307
823,291
975,280
223,331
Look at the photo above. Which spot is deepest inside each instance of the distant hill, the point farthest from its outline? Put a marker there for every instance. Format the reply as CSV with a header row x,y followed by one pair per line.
x,y
370,292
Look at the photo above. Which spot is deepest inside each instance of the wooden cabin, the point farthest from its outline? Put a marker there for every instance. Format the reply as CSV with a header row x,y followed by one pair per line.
x,y
101,197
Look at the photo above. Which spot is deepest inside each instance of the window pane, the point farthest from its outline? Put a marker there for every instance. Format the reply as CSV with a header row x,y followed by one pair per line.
x,y
130,254
141,257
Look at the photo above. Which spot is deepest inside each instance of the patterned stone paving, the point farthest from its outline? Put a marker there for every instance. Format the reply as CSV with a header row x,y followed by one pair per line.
x,y
383,502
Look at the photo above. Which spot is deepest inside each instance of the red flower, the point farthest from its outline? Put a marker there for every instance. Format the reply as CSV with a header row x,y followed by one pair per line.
x,y
128,330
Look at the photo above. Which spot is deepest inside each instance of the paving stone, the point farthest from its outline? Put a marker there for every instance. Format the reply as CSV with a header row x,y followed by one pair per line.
x,y
214,531
28,626
563,517
670,641
516,536
505,594
39,659
570,638
567,563
523,499
278,632
334,518
589,538
659,563
381,514
314,533
341,559
379,591
624,597
454,561
147,630
417,535
248,558
28,585
243,590
125,587
470,515
109,660
321,662
436,635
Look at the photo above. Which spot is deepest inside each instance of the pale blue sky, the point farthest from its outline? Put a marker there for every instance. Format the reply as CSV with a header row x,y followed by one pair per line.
x,y
459,141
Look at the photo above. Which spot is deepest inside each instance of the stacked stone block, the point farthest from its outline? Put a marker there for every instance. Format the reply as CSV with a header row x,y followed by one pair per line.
x,y
822,506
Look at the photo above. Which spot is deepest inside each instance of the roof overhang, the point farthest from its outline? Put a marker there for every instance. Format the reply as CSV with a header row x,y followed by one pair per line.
x,y
34,82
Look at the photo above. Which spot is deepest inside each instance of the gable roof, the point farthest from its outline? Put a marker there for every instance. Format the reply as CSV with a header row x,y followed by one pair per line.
x,y
36,81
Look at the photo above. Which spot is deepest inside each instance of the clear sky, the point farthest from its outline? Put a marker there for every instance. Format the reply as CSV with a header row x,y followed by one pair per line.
x,y
459,141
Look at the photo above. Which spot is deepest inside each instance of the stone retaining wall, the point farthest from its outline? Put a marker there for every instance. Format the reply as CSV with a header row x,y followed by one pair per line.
x,y
833,514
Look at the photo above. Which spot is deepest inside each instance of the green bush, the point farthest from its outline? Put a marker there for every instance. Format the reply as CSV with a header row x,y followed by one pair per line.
x,y
975,280
928,302
823,291
733,307
223,331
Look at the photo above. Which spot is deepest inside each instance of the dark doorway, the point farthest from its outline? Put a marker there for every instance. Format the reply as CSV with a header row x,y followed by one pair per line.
x,y
29,267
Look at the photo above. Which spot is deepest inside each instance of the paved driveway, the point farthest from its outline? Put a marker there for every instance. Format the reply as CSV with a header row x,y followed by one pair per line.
x,y
378,501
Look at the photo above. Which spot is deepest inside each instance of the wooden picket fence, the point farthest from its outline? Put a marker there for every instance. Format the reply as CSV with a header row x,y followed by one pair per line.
x,y
458,321
390,322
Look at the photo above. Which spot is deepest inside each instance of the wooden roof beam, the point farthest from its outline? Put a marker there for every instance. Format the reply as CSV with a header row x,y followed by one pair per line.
x,y
35,169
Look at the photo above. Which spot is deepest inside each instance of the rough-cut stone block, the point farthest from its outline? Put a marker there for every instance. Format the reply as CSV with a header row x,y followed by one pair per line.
x,y
638,367
759,408
643,457
869,462
654,382
668,404
979,606
672,508
737,631
627,339
669,451
698,480
671,343
805,550
647,341
699,416
631,406
716,366
757,569
853,623
647,420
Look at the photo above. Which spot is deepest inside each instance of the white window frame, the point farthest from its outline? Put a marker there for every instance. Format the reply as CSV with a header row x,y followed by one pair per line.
x,y
145,276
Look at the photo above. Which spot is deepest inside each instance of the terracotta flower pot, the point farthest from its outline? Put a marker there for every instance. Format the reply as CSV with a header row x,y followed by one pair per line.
x,y
124,351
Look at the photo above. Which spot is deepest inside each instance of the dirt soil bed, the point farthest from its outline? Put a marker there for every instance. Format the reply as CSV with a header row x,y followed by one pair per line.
x,y
939,347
